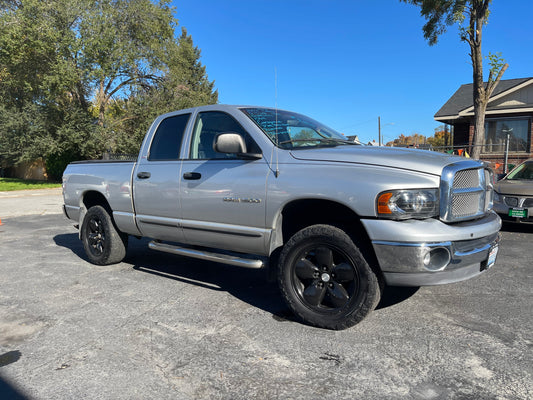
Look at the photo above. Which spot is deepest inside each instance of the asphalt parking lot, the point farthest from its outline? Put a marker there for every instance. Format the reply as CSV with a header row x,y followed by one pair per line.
x,y
167,327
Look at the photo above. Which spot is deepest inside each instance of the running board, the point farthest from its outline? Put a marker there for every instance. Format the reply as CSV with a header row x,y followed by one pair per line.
x,y
207,255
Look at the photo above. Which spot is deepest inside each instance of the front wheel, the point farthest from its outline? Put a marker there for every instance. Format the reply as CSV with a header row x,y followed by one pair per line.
x,y
325,279
104,244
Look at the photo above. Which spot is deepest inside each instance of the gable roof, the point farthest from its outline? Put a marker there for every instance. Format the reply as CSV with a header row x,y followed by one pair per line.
x,y
462,99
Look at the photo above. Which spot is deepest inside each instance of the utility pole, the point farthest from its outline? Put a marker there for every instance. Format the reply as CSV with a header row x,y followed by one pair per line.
x,y
506,154
379,131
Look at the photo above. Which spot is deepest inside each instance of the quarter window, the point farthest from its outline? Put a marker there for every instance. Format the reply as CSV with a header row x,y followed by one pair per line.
x,y
167,139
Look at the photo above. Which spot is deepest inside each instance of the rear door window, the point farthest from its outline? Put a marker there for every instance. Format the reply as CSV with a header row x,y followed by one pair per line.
x,y
167,139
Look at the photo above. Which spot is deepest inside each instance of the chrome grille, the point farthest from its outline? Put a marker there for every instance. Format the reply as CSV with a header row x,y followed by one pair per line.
x,y
466,179
466,191
465,204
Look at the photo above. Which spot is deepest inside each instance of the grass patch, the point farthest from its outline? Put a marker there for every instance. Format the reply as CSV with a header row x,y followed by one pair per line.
x,y
10,184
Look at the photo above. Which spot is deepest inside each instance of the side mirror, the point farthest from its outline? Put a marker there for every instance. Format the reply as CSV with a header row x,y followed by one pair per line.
x,y
233,143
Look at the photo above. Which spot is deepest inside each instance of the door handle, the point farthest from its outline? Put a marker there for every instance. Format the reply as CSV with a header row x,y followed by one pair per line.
x,y
192,175
143,175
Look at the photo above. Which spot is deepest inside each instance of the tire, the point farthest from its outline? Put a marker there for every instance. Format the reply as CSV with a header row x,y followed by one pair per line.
x,y
104,244
325,280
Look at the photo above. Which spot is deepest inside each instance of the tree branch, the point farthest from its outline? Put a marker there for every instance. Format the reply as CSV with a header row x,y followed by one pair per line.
x,y
491,85
130,80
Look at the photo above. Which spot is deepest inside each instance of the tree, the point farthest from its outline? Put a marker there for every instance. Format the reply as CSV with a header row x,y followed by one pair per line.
x,y
440,139
414,140
41,91
184,85
471,16
80,77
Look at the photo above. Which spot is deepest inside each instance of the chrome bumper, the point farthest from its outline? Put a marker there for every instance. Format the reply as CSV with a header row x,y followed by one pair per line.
x,y
423,264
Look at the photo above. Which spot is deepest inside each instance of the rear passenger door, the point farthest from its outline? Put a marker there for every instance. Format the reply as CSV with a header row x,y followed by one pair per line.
x,y
156,181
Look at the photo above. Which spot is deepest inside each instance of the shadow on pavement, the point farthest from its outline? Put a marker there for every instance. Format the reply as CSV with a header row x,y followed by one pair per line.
x,y
72,242
9,358
248,285
395,294
9,391
517,227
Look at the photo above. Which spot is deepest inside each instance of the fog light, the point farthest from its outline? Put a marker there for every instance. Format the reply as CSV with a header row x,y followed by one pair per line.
x,y
437,259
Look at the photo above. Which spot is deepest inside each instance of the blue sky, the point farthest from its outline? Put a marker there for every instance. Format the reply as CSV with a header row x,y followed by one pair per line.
x,y
345,62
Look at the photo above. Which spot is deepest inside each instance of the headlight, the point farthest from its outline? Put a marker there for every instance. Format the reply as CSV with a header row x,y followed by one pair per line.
x,y
412,203
496,197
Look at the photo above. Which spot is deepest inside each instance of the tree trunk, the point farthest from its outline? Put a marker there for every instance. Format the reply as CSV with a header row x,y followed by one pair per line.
x,y
479,94
100,101
479,128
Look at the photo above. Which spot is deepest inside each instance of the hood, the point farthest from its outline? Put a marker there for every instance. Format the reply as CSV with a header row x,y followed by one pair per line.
x,y
518,187
430,162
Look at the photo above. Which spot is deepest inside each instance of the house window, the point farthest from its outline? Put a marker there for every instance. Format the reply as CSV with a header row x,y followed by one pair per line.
x,y
496,131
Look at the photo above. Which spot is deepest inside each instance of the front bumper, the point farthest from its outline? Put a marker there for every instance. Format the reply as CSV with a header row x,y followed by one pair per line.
x,y
403,264
434,253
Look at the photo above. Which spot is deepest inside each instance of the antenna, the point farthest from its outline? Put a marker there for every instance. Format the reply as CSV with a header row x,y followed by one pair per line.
x,y
276,173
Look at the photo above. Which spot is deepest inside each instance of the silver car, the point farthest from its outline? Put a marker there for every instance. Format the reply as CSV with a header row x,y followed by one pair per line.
x,y
513,195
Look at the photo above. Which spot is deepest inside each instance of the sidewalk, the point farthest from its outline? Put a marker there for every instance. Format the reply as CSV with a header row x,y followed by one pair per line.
x,y
30,202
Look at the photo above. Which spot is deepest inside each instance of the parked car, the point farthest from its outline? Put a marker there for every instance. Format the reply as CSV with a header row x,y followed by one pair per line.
x,y
513,195
265,188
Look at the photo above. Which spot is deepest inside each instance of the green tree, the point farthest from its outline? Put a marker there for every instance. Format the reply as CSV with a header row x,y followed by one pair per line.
x,y
188,76
40,88
471,16
125,44
79,77
184,85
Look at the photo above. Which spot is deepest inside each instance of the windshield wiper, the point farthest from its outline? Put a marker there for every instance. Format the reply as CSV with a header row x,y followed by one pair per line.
x,y
320,140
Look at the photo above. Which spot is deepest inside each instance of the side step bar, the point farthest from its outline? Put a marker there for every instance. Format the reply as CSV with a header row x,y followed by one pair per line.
x,y
207,255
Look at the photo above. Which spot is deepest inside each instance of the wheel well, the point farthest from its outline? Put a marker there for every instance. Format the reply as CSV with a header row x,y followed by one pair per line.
x,y
302,213
94,198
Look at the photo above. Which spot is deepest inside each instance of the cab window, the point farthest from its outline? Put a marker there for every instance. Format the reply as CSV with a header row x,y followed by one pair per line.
x,y
167,139
208,125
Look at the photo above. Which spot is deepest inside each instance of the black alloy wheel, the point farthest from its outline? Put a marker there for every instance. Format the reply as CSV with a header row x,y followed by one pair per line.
x,y
96,236
325,279
104,244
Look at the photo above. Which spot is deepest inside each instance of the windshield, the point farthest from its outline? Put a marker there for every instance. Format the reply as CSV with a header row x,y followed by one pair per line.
x,y
292,131
522,172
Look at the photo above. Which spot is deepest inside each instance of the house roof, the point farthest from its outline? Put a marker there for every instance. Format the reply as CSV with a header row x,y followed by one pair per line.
x,y
462,99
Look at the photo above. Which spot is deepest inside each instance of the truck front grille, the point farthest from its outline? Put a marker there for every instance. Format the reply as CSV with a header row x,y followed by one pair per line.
x,y
466,179
466,191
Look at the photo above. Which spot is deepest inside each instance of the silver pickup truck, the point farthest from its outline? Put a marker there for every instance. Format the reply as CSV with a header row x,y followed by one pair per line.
x,y
261,187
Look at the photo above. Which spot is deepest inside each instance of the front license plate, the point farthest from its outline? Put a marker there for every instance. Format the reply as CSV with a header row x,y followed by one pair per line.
x,y
518,212
492,256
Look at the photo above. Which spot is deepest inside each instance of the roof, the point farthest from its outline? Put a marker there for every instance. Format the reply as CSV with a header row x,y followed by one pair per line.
x,y
463,97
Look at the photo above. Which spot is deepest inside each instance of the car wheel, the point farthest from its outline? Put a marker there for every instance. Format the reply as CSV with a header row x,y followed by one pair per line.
x,y
325,280
104,244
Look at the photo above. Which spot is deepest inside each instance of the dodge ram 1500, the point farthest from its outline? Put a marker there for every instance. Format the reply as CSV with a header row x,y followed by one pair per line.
x,y
260,187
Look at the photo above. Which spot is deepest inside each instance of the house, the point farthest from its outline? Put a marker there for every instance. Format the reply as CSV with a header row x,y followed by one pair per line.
x,y
509,112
